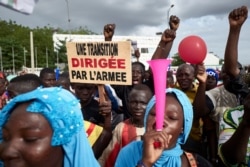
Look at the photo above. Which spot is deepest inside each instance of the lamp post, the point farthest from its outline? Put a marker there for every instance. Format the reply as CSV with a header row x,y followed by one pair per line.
x,y
169,10
68,19
32,52
68,12
13,59
47,63
57,59
160,33
24,56
1,56
36,58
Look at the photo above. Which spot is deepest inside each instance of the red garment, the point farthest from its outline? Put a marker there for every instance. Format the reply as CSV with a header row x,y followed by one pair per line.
x,y
3,100
123,134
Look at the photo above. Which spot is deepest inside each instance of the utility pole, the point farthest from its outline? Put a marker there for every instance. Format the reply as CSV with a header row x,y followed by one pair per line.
x,y
13,59
57,59
67,2
47,63
1,56
24,56
36,57
32,52
169,11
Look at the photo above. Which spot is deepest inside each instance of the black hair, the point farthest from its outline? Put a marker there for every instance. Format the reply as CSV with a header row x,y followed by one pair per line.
x,y
141,87
33,78
45,71
25,83
64,77
141,64
184,65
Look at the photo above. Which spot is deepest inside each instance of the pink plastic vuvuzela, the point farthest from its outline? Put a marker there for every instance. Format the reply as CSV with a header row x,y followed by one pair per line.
x,y
159,69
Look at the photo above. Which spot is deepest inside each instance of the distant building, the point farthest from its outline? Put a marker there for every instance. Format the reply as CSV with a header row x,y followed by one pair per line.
x,y
146,45
211,61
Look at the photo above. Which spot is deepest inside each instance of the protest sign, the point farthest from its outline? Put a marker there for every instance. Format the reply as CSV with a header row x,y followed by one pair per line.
x,y
100,62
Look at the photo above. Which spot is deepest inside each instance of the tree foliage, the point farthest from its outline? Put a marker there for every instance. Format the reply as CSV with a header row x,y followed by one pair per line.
x,y
15,45
177,60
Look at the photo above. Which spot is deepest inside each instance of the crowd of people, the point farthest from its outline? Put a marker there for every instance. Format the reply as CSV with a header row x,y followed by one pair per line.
x,y
48,121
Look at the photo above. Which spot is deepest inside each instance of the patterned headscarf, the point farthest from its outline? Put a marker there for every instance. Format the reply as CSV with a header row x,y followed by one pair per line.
x,y
62,110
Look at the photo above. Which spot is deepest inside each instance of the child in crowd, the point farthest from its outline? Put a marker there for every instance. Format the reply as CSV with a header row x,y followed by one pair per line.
x,y
130,129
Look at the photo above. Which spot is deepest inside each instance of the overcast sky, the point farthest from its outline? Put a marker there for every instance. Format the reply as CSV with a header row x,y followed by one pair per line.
x,y
205,18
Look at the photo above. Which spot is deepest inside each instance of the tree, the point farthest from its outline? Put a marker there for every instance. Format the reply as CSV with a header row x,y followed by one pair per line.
x,y
221,61
11,52
61,52
16,39
177,60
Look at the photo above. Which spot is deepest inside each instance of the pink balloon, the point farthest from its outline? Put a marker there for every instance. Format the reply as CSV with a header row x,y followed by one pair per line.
x,y
192,49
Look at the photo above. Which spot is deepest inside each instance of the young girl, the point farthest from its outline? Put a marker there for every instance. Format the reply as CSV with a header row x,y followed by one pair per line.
x,y
178,120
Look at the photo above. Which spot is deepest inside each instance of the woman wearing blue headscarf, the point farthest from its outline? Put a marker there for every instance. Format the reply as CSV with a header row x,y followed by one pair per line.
x,y
178,117
44,128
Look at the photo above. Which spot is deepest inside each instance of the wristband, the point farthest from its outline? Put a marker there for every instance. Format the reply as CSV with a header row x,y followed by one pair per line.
x,y
140,164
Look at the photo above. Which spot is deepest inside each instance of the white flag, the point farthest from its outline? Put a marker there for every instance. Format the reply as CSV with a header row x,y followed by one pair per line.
x,y
23,6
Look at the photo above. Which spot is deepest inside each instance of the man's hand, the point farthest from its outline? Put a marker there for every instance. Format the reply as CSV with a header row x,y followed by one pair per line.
x,y
200,72
137,53
151,153
238,16
105,108
174,22
108,31
168,35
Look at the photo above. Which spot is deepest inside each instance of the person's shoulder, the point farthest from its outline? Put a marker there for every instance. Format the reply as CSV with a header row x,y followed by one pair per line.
x,y
120,126
135,146
93,131
198,160
202,162
214,91
124,157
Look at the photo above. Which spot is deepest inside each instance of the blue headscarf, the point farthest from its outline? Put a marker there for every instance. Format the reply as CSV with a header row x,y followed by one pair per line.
x,y
62,110
171,158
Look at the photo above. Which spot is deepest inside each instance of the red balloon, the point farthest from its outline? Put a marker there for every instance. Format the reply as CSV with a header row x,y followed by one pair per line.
x,y
192,49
